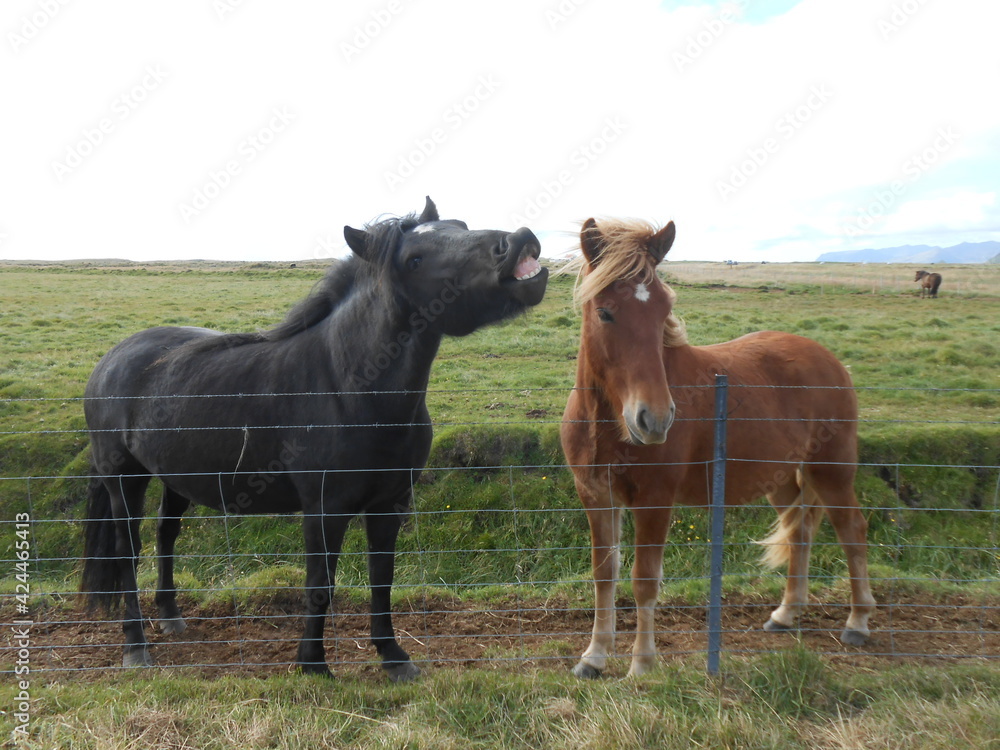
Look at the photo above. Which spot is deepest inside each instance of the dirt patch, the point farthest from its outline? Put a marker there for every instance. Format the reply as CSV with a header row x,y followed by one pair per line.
x,y
508,634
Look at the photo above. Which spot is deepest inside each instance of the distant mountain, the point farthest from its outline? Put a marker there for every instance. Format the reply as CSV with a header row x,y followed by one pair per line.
x,y
967,252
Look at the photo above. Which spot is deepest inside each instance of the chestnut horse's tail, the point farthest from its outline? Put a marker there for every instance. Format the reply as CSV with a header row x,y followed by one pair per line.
x,y
788,527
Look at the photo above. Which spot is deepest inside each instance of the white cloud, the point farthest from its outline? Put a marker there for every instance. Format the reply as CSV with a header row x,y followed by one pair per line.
x,y
940,215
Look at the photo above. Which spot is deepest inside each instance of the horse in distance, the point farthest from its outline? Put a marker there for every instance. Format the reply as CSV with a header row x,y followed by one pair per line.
x,y
929,283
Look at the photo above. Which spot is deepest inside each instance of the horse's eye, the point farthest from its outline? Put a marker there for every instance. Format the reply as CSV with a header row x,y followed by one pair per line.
x,y
413,263
605,315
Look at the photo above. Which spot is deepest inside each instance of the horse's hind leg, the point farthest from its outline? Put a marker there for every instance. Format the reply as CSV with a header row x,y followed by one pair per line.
x,y
382,528
172,507
791,544
127,496
835,489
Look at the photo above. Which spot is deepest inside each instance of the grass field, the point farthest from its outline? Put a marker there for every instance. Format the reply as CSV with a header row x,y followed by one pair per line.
x,y
496,398
789,700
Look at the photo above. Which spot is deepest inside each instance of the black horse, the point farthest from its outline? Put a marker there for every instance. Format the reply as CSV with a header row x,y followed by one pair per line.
x,y
324,414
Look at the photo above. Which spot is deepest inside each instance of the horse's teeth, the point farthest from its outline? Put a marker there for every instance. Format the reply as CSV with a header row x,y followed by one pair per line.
x,y
530,275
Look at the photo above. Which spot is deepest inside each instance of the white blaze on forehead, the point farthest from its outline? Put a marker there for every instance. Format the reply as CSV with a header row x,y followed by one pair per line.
x,y
424,228
641,292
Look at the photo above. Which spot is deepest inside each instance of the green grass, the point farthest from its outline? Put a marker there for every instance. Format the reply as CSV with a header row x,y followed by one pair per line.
x,y
791,699
58,322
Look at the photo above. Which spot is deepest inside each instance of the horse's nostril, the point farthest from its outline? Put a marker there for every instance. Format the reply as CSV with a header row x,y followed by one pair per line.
x,y
651,424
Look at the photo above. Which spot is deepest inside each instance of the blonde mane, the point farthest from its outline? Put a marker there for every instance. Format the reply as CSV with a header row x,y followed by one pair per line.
x,y
624,258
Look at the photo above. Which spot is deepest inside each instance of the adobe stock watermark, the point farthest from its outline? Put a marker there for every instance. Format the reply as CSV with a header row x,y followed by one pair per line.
x,y
785,128
419,321
579,161
700,41
249,149
329,245
32,25
223,8
451,121
561,12
900,16
370,29
93,136
915,167
825,432
21,628
263,477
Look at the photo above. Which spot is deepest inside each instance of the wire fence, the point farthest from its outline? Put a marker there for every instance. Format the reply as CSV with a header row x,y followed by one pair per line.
x,y
493,565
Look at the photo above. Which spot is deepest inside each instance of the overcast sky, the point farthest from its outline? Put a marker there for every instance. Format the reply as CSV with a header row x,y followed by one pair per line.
x,y
255,129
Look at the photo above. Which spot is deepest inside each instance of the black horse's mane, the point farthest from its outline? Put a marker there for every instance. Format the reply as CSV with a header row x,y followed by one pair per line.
x,y
341,281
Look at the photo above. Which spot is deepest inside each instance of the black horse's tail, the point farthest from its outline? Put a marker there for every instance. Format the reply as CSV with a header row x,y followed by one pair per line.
x,y
102,579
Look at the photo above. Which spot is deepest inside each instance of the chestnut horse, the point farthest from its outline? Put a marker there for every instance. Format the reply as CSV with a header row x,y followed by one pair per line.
x,y
931,282
792,436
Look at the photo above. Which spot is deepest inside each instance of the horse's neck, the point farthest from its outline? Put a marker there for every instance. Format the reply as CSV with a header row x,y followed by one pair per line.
x,y
379,349
691,364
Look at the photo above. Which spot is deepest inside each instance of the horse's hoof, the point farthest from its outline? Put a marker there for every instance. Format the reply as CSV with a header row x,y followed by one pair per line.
x,y
319,669
853,638
773,626
586,672
638,669
405,671
173,626
136,657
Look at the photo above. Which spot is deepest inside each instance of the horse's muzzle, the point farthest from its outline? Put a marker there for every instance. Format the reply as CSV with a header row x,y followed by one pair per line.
x,y
520,272
646,426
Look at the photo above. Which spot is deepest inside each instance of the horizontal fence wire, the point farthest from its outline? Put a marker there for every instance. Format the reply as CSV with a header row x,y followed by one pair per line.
x,y
493,565
159,399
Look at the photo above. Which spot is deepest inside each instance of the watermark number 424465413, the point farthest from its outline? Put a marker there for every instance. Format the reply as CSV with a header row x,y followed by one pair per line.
x,y
21,629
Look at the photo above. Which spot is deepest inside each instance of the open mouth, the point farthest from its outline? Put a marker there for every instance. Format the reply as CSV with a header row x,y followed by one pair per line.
x,y
527,267
527,270
522,275
524,265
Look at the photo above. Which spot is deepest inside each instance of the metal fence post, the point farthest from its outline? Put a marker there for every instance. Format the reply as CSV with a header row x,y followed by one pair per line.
x,y
717,526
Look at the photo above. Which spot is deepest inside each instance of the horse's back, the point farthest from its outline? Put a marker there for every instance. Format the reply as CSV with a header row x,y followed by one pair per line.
x,y
125,369
782,381
791,402
779,359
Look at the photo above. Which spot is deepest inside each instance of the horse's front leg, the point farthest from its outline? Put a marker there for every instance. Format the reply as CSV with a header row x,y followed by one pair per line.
x,y
651,527
324,534
382,524
605,535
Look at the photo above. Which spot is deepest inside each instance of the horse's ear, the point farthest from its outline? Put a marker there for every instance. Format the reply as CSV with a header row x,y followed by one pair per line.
x,y
660,242
357,240
591,241
430,212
